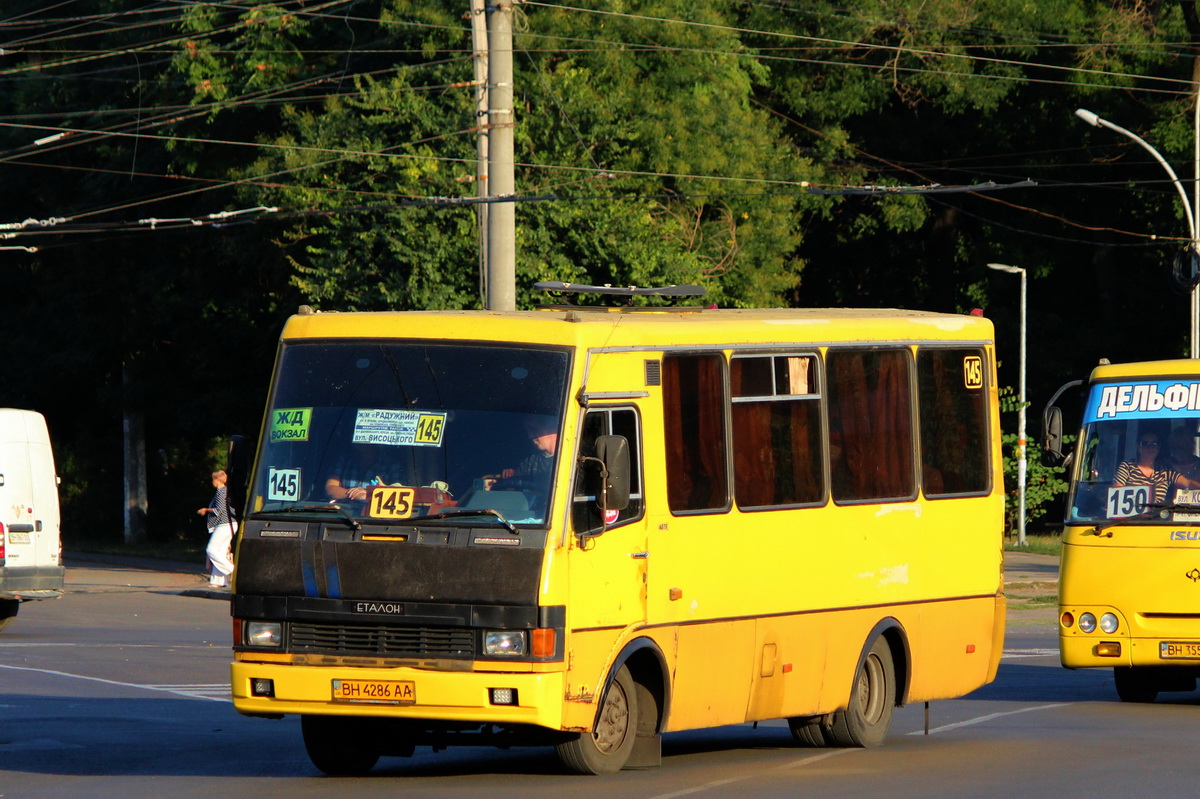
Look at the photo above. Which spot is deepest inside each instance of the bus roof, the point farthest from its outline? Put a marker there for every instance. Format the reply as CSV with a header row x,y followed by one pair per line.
x,y
1178,367
640,327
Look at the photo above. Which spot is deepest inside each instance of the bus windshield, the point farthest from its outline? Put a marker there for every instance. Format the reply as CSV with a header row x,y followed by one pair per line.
x,y
380,432
1139,460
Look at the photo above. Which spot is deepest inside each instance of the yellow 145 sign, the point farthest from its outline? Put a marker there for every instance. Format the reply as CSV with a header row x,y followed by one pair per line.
x,y
391,502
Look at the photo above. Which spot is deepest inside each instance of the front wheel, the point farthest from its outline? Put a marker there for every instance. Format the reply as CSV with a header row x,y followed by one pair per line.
x,y
336,746
867,719
1134,685
606,749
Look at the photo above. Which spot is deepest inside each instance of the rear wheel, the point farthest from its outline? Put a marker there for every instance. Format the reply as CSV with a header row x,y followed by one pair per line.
x,y
867,719
336,746
1134,685
606,749
807,731
8,611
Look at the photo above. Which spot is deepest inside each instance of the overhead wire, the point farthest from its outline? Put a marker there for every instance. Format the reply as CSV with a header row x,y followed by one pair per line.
x,y
347,153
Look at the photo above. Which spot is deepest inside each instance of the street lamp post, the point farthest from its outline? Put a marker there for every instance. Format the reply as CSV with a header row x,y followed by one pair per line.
x,y
1022,460
1192,210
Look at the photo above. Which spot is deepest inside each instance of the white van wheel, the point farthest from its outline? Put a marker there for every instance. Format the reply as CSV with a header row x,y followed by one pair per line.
x,y
8,611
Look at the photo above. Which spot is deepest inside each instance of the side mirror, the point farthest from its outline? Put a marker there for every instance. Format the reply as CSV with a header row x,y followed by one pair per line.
x,y
613,454
237,467
1052,436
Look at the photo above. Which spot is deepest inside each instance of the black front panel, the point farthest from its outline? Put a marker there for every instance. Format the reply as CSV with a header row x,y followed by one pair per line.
x,y
389,571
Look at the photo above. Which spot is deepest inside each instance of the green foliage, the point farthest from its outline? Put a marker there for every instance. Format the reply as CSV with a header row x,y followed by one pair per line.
x,y
1036,543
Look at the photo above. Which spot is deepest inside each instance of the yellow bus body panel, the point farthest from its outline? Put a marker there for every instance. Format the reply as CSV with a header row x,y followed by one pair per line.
x,y
460,696
1144,584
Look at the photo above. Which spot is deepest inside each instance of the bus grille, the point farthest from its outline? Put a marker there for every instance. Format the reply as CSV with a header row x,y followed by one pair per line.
x,y
443,642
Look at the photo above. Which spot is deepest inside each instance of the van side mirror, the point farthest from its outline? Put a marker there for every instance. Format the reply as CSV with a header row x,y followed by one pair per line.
x,y
613,454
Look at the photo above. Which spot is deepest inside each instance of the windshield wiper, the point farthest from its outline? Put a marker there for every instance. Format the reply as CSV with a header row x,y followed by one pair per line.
x,y
1149,511
311,507
1158,507
450,514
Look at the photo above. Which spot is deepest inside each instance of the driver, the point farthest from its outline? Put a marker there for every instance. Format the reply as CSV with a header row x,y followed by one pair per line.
x,y
1150,470
543,432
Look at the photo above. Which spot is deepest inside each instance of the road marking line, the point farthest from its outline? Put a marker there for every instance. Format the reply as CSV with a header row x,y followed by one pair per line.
x,y
989,717
705,787
164,688
804,761
708,786
1016,654
218,690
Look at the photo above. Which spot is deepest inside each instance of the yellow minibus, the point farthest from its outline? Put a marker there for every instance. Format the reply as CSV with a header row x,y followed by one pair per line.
x,y
586,527
1129,578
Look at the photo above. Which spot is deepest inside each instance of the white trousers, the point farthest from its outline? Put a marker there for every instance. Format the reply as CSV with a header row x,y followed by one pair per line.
x,y
218,554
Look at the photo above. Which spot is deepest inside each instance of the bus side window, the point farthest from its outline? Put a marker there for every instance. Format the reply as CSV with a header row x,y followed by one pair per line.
x,y
694,417
952,400
777,458
870,411
585,515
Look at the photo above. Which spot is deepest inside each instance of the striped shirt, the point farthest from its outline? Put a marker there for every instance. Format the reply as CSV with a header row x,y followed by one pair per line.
x,y
1160,480
218,509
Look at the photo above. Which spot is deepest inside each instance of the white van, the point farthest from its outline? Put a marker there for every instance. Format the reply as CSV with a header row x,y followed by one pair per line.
x,y
30,546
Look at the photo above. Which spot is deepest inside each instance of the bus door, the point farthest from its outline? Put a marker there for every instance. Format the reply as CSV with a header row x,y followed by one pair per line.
x,y
608,574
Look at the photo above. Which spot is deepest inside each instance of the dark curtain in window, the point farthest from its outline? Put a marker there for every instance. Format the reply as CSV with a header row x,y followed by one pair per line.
x,y
694,417
954,423
776,456
871,423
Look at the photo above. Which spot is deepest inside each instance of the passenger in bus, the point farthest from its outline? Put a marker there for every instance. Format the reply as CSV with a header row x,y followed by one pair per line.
x,y
364,466
1151,470
1183,455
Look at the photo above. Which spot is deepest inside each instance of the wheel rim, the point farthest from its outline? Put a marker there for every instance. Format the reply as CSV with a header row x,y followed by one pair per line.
x,y
870,690
613,724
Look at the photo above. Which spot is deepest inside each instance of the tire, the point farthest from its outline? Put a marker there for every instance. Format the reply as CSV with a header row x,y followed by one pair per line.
x,y
868,717
606,749
336,746
807,731
8,612
1134,685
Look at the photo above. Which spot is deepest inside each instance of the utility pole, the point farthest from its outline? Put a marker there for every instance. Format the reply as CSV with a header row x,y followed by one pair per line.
x,y
501,216
480,45
134,437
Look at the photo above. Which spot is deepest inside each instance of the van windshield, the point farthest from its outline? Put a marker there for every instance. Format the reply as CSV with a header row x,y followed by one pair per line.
x,y
1140,454
384,431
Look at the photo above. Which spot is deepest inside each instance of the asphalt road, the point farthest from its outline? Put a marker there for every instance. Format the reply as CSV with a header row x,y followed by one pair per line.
x,y
119,689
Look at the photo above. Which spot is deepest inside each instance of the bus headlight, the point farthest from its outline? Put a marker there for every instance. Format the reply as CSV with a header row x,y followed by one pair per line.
x,y
504,642
1109,623
1087,622
264,633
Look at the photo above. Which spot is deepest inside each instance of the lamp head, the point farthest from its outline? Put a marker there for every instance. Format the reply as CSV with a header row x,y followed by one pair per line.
x,y
1015,270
